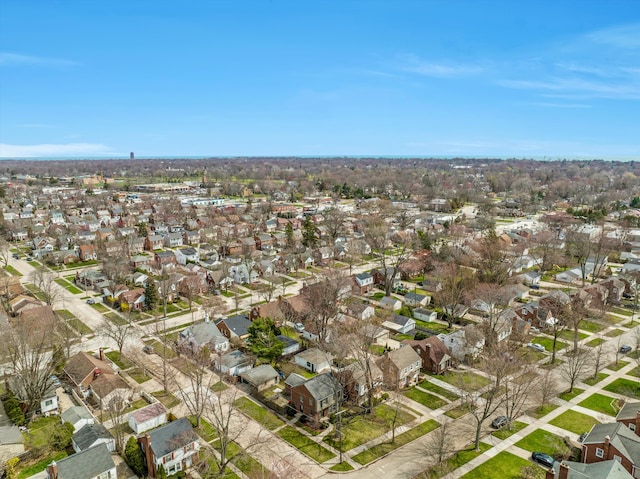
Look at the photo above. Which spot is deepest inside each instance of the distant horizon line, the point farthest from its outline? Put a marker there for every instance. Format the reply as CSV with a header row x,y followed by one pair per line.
x,y
382,157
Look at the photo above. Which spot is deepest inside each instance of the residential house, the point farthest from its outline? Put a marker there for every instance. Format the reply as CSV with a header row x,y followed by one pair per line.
x,y
363,283
314,360
358,383
135,245
268,310
316,397
147,418
87,252
93,463
400,368
264,242
261,377
91,435
11,440
93,376
613,441
578,470
234,326
78,416
191,237
153,242
464,343
615,287
234,363
165,259
174,445
132,300
416,300
108,387
380,277
196,336
173,240
436,358
629,415
187,255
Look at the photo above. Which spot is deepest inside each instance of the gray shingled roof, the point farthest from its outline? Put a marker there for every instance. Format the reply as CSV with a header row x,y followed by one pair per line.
x,y
622,438
75,414
260,375
597,470
90,433
86,464
172,436
322,386
628,411
239,324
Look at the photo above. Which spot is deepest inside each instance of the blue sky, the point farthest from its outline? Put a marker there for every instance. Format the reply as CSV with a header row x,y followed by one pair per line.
x,y
415,78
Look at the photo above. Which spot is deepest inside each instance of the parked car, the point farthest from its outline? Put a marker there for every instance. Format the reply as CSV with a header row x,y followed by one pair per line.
x,y
543,459
582,436
147,349
299,327
500,422
29,258
91,301
537,347
625,349
55,381
15,256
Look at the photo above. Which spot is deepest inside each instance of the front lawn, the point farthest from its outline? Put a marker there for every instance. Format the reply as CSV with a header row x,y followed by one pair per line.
x,y
507,432
342,467
627,387
568,335
542,411
469,380
595,342
424,398
258,413
40,466
541,440
363,428
12,270
457,412
635,372
406,437
574,421
614,333
568,396
305,444
120,361
591,326
505,466
101,308
601,403
168,399
434,388
68,286
599,377
548,343
617,366
138,375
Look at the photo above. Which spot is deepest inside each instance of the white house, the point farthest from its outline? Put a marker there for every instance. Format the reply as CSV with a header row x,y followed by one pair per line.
x,y
465,342
234,363
147,418
187,255
390,303
416,299
425,314
400,324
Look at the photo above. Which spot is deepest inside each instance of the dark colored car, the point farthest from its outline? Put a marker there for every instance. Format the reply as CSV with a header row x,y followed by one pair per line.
x,y
15,256
625,349
500,422
582,436
147,349
543,459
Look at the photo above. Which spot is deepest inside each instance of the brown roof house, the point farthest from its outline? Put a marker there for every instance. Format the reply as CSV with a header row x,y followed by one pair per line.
x,y
436,358
93,377
400,368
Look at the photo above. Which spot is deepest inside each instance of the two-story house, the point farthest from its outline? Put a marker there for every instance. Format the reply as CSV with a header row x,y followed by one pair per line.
x,y
400,368
316,397
175,446
93,463
436,358
613,441
363,283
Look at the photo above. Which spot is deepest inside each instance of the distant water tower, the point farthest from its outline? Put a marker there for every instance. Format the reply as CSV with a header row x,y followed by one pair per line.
x,y
132,156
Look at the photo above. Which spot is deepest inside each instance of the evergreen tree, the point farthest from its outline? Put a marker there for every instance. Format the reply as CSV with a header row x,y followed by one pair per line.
x,y
309,233
161,473
151,295
135,457
262,339
288,230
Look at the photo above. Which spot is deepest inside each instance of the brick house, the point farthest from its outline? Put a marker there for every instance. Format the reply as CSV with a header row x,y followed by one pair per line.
x,y
316,397
436,358
153,242
629,415
613,441
400,368
88,252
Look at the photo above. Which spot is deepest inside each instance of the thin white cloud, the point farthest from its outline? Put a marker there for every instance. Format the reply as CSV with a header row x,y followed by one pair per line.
x,y
560,105
578,88
620,36
16,59
414,64
53,149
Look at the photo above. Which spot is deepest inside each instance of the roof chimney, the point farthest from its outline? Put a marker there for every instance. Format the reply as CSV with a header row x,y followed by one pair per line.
x,y
607,441
52,470
101,354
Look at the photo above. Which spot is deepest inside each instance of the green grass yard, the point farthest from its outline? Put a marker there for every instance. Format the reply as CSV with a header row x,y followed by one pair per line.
x,y
258,413
614,333
470,380
434,388
599,377
568,396
504,465
315,451
601,403
507,432
627,387
424,398
541,440
574,421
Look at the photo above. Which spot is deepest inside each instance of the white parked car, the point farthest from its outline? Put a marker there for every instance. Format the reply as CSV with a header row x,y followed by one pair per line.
x,y
537,347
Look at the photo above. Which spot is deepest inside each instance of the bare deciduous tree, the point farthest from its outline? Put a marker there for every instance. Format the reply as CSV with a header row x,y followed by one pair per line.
x,y
115,412
118,331
45,282
574,366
